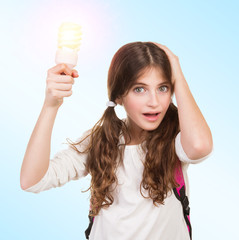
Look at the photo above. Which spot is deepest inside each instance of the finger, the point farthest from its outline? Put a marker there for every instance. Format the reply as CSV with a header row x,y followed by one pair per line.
x,y
160,45
166,49
74,73
61,86
61,68
61,94
61,79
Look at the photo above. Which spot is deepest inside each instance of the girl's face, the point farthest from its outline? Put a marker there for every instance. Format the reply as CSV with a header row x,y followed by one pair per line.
x,y
146,102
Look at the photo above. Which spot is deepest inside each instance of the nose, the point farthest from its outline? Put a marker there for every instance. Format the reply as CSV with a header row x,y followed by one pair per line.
x,y
153,99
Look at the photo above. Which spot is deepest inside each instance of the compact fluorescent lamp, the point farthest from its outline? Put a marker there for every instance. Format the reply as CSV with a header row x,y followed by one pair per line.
x,y
69,40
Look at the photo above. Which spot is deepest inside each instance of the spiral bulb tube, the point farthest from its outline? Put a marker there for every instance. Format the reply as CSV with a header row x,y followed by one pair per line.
x,y
69,40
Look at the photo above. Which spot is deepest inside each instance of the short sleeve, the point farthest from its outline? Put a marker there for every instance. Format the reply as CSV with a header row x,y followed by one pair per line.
x,y
182,155
66,165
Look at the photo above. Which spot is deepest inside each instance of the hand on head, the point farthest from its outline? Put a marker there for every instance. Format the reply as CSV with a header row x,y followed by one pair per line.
x,y
174,62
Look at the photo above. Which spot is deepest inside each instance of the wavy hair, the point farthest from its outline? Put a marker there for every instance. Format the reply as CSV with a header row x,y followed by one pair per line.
x,y
104,149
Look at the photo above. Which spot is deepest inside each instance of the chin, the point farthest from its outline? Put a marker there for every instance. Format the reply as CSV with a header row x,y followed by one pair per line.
x,y
151,128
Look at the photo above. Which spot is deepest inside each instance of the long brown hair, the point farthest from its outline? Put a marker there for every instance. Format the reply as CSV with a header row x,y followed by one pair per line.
x,y
104,149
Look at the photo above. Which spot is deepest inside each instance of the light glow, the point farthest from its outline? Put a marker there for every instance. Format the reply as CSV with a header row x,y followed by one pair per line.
x,y
69,40
69,36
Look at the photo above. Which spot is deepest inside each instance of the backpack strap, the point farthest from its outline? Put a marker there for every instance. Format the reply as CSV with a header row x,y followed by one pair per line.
x,y
91,221
180,194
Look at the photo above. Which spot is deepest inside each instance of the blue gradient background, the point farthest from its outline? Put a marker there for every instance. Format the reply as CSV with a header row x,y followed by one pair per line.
x,y
205,36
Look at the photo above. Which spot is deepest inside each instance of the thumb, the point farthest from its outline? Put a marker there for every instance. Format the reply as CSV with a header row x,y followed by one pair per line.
x,y
74,73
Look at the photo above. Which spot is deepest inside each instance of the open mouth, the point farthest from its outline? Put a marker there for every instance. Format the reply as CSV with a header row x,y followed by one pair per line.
x,y
150,114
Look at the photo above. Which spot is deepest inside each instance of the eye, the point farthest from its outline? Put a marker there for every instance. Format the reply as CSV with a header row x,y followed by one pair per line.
x,y
163,88
139,89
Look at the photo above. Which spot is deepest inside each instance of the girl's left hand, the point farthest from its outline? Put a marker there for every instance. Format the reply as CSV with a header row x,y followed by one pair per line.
x,y
174,62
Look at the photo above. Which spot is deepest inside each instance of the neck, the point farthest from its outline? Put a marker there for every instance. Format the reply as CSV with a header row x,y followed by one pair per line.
x,y
137,134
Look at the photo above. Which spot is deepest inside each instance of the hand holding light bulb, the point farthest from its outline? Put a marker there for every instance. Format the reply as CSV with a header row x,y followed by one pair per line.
x,y
61,77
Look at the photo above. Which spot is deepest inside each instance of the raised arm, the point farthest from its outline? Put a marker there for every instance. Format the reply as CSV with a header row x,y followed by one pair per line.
x,y
37,155
196,137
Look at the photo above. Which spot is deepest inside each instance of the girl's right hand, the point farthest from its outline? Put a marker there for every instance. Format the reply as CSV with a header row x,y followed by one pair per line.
x,y
59,84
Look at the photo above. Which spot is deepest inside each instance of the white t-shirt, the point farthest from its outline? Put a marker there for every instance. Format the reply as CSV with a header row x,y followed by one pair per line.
x,y
131,216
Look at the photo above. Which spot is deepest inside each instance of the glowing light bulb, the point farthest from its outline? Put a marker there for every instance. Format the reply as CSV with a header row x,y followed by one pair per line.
x,y
69,40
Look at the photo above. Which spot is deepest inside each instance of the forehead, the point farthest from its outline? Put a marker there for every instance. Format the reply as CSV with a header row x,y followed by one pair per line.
x,y
151,75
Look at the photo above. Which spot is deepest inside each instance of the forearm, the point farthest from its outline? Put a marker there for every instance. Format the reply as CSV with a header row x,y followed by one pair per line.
x,y
196,137
37,155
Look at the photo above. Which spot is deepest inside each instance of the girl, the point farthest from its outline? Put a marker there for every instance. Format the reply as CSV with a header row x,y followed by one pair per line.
x,y
132,162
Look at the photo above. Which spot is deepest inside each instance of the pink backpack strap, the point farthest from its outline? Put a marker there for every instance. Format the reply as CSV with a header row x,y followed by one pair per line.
x,y
180,193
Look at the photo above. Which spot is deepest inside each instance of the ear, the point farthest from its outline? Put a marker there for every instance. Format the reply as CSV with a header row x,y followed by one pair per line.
x,y
119,101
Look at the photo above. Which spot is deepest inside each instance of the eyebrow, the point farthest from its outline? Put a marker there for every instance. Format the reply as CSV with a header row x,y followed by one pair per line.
x,y
144,84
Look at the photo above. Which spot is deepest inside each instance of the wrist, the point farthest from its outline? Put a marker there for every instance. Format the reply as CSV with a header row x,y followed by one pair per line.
x,y
180,80
50,107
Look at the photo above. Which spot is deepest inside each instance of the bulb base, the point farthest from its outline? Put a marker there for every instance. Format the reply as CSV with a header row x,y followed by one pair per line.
x,y
67,56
